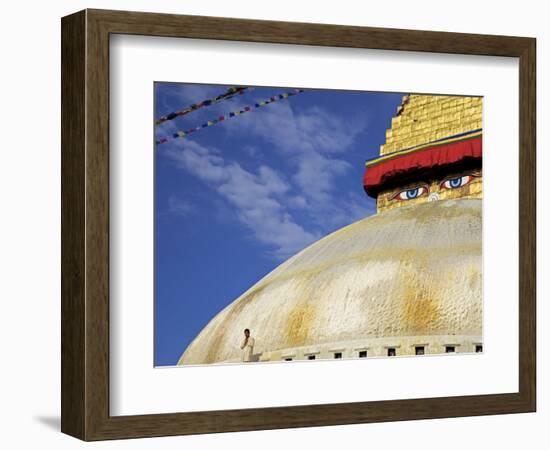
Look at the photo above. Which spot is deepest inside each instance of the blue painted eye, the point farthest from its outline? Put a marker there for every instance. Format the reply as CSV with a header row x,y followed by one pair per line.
x,y
453,183
410,194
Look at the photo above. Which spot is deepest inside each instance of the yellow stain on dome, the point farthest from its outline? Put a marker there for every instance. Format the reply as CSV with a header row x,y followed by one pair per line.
x,y
297,324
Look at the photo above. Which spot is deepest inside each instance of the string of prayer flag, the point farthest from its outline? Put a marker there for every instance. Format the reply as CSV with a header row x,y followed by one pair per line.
x,y
231,92
246,109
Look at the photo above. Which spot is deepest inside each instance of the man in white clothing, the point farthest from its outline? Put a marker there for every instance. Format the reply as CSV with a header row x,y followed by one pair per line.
x,y
247,346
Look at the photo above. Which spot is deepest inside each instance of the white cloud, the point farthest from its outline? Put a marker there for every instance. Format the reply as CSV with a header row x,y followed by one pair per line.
x,y
303,137
258,197
251,150
297,202
179,206
315,129
316,175
272,180
312,144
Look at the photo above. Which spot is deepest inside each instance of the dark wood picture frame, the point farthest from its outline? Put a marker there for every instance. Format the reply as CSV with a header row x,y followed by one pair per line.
x,y
85,224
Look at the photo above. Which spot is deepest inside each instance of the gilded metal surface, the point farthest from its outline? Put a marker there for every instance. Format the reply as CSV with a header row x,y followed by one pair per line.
x,y
426,118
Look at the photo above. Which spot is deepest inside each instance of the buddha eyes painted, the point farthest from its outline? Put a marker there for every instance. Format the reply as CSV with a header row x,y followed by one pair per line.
x,y
422,190
456,182
412,193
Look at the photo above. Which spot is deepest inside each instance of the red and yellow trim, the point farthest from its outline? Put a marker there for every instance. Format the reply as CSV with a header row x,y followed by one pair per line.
x,y
435,154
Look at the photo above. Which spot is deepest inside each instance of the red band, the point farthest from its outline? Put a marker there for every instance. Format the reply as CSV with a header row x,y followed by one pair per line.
x,y
438,155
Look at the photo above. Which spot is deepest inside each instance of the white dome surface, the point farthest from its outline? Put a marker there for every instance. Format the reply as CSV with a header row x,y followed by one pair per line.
x,y
406,273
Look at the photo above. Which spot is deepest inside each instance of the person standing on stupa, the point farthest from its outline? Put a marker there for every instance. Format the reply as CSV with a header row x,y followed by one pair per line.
x,y
247,346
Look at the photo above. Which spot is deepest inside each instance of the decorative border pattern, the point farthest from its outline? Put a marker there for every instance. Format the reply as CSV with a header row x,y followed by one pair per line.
x,y
447,140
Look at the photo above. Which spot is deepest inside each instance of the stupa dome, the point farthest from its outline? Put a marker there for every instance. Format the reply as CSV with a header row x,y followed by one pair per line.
x,y
402,278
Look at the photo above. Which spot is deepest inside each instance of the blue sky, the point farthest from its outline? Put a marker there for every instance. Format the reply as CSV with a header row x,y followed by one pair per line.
x,y
234,200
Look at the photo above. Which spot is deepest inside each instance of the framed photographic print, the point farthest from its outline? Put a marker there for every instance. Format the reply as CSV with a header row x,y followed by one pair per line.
x,y
272,225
